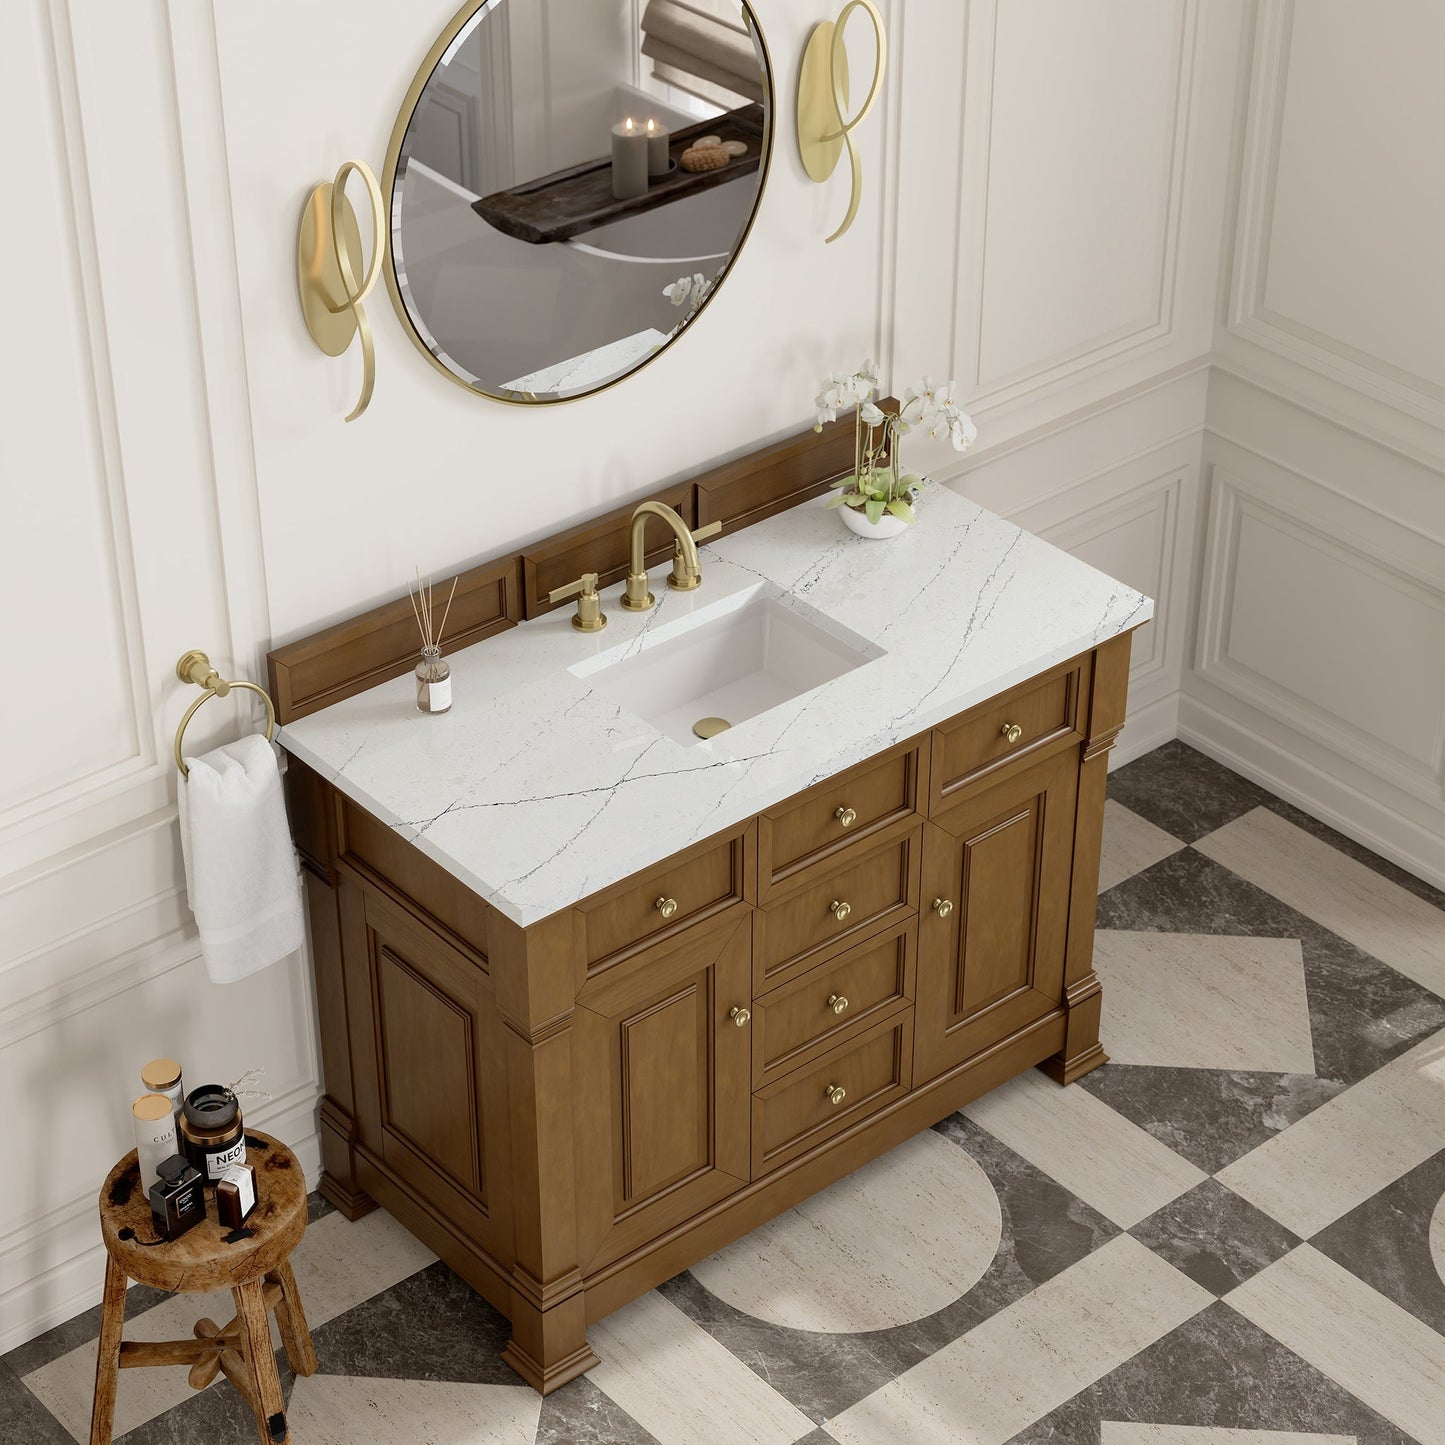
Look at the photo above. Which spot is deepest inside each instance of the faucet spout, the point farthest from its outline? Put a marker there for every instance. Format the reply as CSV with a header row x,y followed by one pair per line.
x,y
686,574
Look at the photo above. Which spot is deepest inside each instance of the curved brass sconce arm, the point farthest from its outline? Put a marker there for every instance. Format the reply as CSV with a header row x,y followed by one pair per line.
x,y
823,101
328,251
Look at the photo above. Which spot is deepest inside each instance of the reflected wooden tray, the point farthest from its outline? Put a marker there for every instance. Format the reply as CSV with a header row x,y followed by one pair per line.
x,y
567,203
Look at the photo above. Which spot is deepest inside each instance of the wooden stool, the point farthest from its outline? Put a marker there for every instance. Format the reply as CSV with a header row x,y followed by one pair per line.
x,y
253,1262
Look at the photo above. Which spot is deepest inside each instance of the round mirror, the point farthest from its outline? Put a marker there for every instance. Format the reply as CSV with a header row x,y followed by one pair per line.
x,y
569,182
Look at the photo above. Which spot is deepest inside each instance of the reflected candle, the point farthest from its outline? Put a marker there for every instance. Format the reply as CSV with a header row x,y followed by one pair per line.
x,y
658,140
629,161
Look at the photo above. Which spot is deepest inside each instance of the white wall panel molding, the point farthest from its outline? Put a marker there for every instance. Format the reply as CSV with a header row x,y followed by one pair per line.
x,y
1391,822
1032,314
1336,157
196,78
1328,618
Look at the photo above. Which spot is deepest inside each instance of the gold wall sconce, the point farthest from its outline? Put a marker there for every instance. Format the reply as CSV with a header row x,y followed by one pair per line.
x,y
328,261
823,101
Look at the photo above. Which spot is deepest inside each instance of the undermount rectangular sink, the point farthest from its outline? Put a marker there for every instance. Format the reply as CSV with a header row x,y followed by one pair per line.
x,y
749,654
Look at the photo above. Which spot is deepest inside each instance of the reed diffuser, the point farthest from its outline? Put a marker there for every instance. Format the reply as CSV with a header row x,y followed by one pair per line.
x,y
433,676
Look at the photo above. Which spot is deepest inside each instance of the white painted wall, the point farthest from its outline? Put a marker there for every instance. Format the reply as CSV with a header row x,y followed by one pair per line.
x,y
1106,218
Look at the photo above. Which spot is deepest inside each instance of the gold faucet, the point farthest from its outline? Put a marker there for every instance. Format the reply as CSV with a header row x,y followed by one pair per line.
x,y
686,574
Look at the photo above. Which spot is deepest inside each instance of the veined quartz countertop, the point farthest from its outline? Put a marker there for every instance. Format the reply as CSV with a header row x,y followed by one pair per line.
x,y
535,791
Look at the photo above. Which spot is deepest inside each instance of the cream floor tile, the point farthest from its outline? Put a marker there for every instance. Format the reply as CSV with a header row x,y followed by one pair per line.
x,y
1110,1163
1350,1148
1113,1432
675,1380
1201,1001
1032,1356
342,1410
1386,921
337,1264
1361,1340
838,1262
1131,844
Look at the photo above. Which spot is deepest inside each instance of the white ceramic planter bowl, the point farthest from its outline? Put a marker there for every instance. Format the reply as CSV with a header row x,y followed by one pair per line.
x,y
886,526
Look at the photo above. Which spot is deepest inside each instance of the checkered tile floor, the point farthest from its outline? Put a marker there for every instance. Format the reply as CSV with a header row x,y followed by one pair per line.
x,y
1233,1234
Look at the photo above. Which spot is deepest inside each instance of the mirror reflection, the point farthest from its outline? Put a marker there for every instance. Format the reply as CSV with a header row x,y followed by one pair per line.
x,y
569,184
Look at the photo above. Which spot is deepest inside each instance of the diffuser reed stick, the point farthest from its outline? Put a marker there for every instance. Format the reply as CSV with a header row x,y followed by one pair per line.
x,y
433,675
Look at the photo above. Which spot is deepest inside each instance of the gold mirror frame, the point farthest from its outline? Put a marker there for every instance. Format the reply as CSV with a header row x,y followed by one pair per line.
x,y
388,191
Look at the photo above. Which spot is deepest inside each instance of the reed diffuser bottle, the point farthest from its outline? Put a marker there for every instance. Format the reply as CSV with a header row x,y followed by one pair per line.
x,y
433,675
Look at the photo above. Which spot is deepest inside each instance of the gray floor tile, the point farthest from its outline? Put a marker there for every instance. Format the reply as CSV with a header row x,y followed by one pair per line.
x,y
1218,1239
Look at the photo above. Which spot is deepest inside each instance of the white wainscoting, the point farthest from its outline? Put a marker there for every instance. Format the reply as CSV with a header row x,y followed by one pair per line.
x,y
130,542
1319,655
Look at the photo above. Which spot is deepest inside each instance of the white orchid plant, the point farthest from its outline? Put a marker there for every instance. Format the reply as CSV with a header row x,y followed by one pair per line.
x,y
690,292
878,485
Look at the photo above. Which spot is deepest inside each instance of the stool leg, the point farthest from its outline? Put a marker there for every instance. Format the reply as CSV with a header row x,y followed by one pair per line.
x,y
269,1405
291,1321
107,1360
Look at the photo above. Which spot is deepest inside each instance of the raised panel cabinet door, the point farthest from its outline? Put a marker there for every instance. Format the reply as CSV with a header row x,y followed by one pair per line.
x,y
662,1051
433,1103
994,914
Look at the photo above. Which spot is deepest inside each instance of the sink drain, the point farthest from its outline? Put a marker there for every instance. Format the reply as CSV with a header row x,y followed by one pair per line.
x,y
710,727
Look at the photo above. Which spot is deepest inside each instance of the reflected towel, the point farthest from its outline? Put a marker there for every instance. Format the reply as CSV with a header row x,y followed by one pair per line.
x,y
241,870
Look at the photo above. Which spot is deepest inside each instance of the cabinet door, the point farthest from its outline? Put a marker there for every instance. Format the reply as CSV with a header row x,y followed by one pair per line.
x,y
994,961
662,1077
430,1093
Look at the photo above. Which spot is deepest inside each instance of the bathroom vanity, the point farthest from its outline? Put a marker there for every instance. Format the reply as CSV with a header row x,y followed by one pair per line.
x,y
597,996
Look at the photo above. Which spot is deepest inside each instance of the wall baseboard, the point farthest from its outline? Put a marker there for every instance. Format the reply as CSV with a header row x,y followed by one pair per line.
x,y
47,1294
1284,771
1147,728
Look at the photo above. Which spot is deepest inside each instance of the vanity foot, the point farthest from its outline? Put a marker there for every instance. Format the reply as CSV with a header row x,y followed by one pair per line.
x,y
1066,1070
551,1377
353,1203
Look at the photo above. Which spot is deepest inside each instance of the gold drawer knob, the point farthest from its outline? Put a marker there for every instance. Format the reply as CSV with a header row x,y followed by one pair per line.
x,y
846,816
837,1003
1013,732
666,906
942,907
836,1094
840,911
739,1016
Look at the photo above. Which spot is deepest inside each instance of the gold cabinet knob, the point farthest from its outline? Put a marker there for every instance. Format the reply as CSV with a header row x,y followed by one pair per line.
x,y
836,1094
846,816
840,911
666,906
837,1003
1013,732
942,907
739,1016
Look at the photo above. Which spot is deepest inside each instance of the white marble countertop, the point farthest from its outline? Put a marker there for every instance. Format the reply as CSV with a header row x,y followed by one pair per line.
x,y
536,792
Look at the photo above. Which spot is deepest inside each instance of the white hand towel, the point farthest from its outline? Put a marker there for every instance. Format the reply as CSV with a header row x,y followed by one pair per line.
x,y
241,869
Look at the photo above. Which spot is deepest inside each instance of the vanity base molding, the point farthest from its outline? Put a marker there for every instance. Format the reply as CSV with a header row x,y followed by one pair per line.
x,y
571,1113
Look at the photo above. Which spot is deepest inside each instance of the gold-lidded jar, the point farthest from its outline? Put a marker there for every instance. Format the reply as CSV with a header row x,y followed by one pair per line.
x,y
163,1076
212,1134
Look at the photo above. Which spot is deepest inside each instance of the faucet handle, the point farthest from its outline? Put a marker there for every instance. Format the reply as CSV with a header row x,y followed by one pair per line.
x,y
589,616
712,529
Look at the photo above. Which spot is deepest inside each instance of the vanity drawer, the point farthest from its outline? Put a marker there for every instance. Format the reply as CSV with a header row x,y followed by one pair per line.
x,y
658,903
832,1004
872,889
1043,714
799,1111
836,813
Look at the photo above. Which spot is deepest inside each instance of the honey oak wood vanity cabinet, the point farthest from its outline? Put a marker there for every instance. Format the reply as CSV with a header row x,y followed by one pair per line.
x,y
571,1113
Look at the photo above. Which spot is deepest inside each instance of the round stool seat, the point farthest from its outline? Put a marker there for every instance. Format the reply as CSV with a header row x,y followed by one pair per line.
x,y
253,1262
207,1256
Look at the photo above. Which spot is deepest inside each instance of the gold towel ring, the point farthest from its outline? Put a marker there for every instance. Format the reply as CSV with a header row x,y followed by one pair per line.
x,y
195,667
